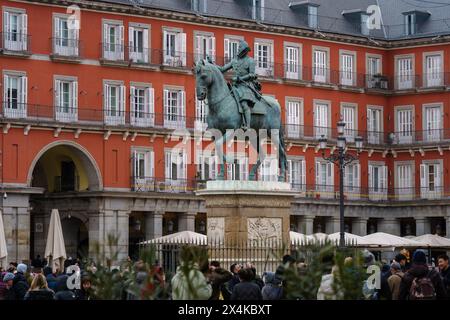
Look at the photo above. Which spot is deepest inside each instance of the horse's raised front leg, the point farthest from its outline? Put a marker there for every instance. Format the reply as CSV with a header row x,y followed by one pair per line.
x,y
261,155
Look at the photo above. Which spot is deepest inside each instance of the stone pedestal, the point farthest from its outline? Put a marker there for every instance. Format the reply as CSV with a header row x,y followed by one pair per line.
x,y
241,211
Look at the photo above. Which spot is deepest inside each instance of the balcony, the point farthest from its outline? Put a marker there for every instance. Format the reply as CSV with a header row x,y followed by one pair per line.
x,y
14,43
64,49
66,114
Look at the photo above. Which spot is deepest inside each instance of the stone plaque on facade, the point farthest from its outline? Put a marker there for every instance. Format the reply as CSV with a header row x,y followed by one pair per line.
x,y
216,229
264,229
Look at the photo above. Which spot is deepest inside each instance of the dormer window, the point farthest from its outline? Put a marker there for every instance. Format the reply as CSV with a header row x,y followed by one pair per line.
x,y
258,10
199,6
306,9
413,19
410,24
312,16
364,27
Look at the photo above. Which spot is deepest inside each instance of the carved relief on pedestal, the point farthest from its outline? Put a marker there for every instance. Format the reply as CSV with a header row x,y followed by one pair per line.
x,y
216,229
264,229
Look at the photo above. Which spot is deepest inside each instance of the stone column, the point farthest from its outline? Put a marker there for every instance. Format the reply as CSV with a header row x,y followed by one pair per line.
x,y
305,224
332,225
389,225
153,225
359,226
422,226
186,221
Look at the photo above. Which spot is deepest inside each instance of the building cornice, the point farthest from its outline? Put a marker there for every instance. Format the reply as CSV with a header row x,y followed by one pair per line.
x,y
249,25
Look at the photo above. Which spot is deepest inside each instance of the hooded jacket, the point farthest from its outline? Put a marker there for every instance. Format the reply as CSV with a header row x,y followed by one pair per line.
x,y
183,287
420,270
20,286
272,289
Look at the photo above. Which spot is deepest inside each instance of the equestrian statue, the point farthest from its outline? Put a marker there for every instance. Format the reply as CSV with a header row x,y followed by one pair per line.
x,y
239,105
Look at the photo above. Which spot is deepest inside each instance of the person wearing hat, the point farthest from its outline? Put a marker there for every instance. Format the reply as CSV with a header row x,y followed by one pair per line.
x,y
20,283
8,293
395,279
401,259
420,277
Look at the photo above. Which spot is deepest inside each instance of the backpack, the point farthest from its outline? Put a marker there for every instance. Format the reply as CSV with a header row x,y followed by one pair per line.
x,y
422,289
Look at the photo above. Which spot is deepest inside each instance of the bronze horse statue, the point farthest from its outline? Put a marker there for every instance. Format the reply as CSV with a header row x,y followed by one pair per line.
x,y
224,115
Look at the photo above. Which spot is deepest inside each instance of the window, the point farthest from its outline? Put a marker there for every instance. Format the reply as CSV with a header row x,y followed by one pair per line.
x,y
258,10
377,177
321,120
230,48
238,170
364,28
410,24
374,127
199,6
175,162
138,44
264,58
174,109
433,70
205,46
66,100
201,112
405,182
312,17
430,180
320,63
352,180
114,103
174,46
292,62
349,116
268,171
347,72
405,118
113,43
293,118
405,78
325,178
15,24
432,123
15,95
206,166
65,42
374,77
297,174
142,106
143,170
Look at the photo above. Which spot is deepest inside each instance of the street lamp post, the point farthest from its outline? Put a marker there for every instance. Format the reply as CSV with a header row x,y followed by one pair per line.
x,y
342,159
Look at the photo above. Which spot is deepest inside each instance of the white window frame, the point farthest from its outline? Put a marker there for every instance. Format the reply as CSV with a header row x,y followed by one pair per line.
x,y
432,130
113,51
18,109
433,75
142,113
294,122
114,116
145,182
321,122
374,135
134,49
175,120
206,165
179,182
347,68
437,190
63,46
297,179
377,186
403,133
374,82
66,113
321,67
258,10
410,24
240,161
351,127
313,18
405,190
230,43
201,114
352,180
293,62
18,40
204,45
404,77
268,171
176,56
264,67
324,190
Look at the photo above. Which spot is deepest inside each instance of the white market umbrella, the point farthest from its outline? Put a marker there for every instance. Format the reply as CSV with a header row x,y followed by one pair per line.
x,y
350,239
3,249
297,237
381,239
188,237
55,250
317,237
433,240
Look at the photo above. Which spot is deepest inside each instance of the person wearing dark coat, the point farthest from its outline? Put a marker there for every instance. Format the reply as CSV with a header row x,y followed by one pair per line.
x,y
419,269
234,268
272,289
218,277
444,269
8,280
246,289
39,289
20,283
63,292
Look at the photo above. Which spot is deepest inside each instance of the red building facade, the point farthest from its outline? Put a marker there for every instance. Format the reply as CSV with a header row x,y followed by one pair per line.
x,y
88,114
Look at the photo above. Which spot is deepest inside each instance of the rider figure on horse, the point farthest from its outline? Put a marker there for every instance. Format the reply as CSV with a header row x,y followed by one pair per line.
x,y
245,86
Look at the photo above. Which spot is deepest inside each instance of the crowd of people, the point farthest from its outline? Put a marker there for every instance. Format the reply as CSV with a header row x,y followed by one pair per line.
x,y
401,279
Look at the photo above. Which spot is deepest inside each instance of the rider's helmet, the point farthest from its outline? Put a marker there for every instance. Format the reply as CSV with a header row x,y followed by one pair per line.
x,y
243,48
